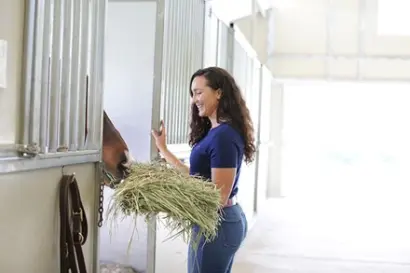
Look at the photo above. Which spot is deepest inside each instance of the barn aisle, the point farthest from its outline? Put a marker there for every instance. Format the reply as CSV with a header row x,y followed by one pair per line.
x,y
322,236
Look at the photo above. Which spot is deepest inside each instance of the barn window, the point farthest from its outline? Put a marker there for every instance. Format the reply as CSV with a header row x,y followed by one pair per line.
x,y
63,78
393,17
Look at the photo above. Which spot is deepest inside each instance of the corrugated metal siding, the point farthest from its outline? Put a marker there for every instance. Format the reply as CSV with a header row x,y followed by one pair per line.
x,y
63,74
182,56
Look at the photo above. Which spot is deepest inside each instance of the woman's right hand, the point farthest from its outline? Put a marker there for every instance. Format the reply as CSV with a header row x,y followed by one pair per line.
x,y
160,138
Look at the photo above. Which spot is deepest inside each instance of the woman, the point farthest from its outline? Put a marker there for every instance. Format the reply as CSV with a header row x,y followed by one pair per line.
x,y
221,137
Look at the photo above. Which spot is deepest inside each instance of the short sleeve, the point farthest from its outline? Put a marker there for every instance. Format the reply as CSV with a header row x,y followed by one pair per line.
x,y
224,151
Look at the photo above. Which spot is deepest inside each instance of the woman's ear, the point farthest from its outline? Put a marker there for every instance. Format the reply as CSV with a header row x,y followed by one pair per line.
x,y
218,94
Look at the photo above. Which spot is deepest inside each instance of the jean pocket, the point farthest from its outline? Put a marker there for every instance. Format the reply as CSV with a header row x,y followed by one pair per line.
x,y
232,228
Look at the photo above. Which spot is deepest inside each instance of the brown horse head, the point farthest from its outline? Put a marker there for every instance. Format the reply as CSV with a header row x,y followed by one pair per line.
x,y
116,157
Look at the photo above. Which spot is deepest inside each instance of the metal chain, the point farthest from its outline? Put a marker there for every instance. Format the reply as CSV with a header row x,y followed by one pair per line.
x,y
101,197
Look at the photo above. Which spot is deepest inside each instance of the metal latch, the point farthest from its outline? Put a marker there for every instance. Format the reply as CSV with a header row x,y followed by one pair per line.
x,y
28,150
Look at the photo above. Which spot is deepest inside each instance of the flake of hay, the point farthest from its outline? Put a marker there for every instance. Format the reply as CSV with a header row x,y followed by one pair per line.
x,y
186,201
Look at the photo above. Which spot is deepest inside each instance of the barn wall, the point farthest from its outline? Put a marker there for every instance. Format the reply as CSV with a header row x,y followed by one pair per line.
x,y
11,30
29,230
335,39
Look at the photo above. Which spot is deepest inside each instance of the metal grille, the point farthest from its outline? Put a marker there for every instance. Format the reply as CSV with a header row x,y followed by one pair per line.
x,y
64,75
182,56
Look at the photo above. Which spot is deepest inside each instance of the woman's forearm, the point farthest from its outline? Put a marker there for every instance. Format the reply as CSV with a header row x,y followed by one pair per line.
x,y
171,159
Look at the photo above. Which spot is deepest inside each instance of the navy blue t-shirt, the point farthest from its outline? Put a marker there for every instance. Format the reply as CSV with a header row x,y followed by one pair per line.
x,y
222,147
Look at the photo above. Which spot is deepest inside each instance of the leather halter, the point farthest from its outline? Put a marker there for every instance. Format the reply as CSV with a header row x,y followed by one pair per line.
x,y
112,179
72,214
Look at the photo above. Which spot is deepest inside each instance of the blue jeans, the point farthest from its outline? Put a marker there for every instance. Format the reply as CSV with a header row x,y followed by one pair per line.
x,y
217,256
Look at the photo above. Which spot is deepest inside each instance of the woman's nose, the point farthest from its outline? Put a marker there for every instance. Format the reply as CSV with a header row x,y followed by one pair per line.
x,y
194,99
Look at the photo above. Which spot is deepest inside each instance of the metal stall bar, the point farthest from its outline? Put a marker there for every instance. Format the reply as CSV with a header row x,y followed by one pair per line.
x,y
35,96
161,31
182,23
97,98
45,88
166,66
93,75
55,91
83,74
30,22
72,122
169,59
65,115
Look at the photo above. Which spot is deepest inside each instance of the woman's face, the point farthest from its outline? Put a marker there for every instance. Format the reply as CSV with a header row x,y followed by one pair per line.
x,y
204,97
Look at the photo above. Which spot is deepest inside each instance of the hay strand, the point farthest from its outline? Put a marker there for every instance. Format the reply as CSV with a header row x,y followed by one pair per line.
x,y
154,189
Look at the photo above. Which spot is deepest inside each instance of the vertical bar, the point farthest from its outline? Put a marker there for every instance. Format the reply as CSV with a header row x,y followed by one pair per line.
x,y
82,116
73,120
30,22
93,73
177,62
99,96
166,64
172,60
35,98
201,30
45,88
217,40
258,140
183,49
55,93
65,115
155,118
182,30
230,48
192,57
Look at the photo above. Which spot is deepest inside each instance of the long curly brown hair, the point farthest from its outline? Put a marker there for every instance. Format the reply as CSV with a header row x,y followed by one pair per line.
x,y
232,109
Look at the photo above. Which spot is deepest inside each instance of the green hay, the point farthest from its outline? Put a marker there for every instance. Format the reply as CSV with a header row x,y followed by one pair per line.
x,y
154,189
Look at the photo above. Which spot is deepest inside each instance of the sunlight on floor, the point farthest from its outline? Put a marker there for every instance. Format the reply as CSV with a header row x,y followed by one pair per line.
x,y
346,184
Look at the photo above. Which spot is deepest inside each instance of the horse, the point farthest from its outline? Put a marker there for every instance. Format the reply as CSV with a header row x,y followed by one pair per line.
x,y
115,155
116,161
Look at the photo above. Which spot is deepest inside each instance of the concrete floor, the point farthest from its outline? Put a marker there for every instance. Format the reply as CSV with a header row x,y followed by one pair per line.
x,y
328,235
331,234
